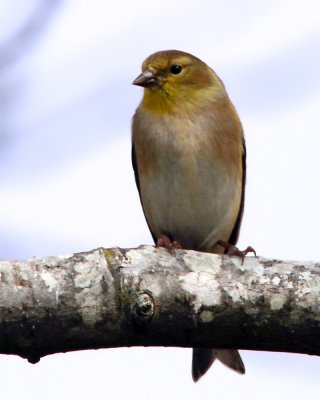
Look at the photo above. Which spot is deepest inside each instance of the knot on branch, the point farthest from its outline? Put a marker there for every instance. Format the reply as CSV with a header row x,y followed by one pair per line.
x,y
143,308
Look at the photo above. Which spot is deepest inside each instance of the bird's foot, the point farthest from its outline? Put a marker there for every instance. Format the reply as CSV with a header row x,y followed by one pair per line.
x,y
234,251
167,243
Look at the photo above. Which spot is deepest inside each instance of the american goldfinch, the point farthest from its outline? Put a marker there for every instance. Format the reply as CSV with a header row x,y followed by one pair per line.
x,y
189,159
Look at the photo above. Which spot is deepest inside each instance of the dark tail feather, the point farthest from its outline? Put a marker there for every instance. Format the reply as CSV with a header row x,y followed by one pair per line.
x,y
202,360
232,359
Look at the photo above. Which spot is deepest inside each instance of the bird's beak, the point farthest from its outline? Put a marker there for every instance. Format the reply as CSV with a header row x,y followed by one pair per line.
x,y
145,79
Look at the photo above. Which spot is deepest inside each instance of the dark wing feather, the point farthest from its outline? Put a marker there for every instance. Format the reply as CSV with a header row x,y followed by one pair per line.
x,y
235,232
136,176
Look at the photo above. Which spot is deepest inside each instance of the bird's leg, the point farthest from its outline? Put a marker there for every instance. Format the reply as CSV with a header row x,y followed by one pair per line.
x,y
167,243
234,251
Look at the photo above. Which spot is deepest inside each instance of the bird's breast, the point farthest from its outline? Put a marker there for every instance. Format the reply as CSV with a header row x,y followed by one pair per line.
x,y
189,190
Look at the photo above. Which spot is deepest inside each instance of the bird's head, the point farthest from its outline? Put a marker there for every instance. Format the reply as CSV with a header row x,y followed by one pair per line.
x,y
174,79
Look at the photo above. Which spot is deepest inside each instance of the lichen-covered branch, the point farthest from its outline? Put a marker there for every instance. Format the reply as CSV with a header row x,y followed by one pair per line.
x,y
150,297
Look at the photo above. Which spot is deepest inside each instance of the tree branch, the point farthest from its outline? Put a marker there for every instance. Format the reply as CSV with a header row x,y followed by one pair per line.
x,y
149,297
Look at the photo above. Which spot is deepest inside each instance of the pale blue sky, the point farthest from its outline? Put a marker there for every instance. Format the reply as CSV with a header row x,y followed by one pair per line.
x,y
67,184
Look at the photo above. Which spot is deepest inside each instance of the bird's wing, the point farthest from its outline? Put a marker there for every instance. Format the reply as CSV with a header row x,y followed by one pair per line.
x,y
236,229
136,176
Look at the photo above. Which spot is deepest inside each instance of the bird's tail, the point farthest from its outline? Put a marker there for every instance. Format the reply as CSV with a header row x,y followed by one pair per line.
x,y
202,360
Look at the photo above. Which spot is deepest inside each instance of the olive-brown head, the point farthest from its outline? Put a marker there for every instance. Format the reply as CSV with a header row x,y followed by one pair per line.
x,y
174,79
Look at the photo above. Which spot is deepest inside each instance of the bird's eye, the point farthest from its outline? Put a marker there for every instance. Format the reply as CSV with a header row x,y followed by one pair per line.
x,y
175,69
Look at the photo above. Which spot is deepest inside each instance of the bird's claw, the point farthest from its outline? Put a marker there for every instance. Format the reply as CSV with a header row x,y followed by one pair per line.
x,y
234,251
171,245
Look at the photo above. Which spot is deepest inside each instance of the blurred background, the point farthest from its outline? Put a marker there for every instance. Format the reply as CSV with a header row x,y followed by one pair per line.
x,y
67,185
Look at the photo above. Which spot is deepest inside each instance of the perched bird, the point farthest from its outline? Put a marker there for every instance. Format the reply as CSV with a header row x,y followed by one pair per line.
x,y
189,159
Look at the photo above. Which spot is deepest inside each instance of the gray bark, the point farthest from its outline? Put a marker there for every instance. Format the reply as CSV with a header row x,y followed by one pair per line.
x,y
150,297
